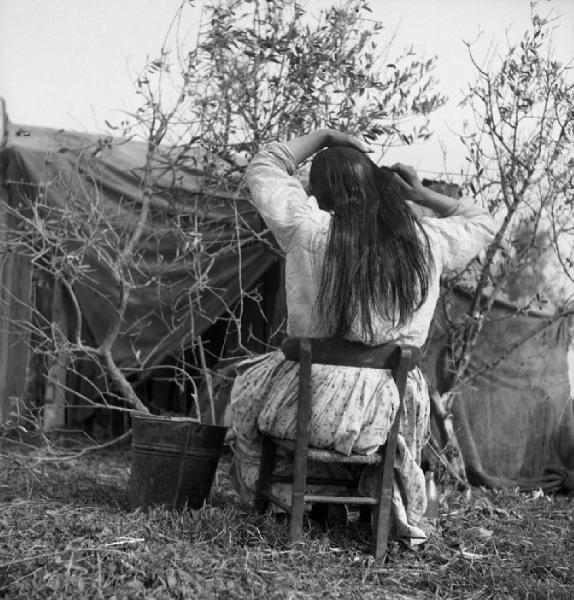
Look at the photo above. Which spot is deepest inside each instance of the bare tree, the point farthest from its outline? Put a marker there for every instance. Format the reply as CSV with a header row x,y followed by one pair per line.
x,y
520,150
257,71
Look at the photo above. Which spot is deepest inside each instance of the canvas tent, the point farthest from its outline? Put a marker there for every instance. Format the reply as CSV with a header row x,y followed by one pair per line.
x,y
514,419
60,167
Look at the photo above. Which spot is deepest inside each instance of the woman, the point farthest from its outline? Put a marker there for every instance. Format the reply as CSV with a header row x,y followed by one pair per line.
x,y
359,265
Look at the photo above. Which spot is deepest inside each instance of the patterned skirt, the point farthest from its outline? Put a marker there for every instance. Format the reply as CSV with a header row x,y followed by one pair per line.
x,y
352,411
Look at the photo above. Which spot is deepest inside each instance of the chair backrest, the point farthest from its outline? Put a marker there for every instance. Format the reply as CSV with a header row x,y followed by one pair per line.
x,y
329,351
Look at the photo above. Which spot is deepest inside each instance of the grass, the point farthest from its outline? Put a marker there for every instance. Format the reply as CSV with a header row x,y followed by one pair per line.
x,y
66,531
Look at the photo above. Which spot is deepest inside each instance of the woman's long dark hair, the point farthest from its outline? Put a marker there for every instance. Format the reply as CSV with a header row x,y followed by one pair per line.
x,y
377,256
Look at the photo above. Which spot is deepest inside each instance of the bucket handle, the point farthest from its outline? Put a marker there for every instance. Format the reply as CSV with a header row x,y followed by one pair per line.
x,y
182,464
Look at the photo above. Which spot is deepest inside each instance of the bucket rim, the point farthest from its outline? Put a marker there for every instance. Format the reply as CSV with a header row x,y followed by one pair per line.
x,y
151,417
175,419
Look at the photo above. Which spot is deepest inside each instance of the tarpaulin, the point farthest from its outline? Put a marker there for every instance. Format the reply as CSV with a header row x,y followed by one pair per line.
x,y
198,252
514,417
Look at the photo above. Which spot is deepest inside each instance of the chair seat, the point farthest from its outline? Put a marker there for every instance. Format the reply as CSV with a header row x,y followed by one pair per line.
x,y
330,456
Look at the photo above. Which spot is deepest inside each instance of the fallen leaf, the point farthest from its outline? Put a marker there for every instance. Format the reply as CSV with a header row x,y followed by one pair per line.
x,y
479,533
472,555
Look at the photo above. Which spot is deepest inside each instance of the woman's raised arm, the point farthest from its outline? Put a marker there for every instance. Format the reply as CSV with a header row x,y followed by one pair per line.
x,y
304,146
442,205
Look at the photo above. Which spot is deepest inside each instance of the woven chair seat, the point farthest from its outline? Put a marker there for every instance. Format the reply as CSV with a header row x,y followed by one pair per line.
x,y
330,456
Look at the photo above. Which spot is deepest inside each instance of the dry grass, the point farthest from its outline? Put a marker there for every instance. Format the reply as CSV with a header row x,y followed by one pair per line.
x,y
66,532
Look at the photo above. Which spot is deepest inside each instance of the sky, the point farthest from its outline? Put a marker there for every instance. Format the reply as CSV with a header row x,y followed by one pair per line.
x,y
72,63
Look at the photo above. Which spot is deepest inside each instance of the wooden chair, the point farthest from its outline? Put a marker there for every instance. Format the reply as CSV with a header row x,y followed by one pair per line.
x,y
399,359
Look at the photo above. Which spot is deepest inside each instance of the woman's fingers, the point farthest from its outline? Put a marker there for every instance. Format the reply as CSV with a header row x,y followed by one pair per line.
x,y
406,172
359,144
339,138
406,176
402,181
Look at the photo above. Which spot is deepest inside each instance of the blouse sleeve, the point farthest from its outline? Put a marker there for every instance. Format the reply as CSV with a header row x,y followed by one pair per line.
x,y
279,197
461,237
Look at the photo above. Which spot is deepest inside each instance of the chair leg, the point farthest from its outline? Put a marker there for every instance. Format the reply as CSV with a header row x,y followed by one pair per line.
x,y
298,501
381,518
266,467
301,442
382,515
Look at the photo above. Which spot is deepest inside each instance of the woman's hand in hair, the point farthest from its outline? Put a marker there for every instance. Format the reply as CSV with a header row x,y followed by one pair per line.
x,y
408,179
440,204
339,138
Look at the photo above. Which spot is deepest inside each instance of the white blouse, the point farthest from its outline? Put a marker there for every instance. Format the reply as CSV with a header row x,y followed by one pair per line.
x,y
301,229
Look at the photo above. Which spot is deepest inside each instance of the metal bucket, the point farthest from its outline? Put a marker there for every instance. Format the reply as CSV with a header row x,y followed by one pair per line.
x,y
174,460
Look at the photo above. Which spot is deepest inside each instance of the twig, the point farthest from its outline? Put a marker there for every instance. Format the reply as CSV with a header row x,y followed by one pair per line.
x,y
208,380
85,451
449,467
104,547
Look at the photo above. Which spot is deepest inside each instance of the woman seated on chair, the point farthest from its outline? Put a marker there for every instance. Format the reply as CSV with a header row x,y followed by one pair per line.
x,y
360,265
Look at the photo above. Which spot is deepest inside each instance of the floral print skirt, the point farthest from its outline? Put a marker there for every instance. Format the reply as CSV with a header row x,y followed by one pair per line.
x,y
352,411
